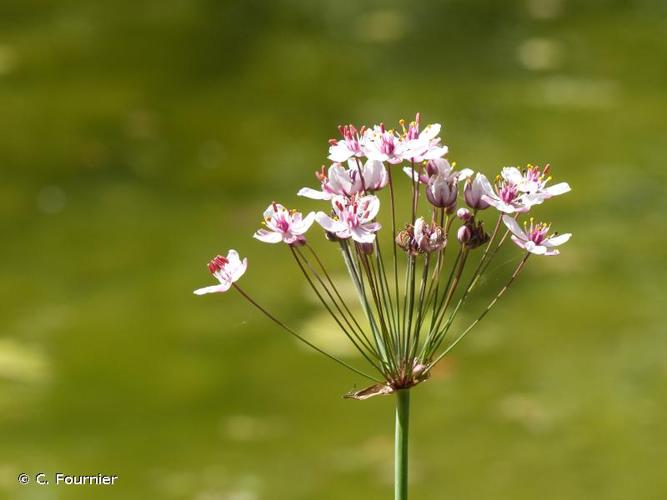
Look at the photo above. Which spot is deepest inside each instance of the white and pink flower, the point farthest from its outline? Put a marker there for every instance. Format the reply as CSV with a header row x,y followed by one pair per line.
x,y
422,145
535,238
284,225
383,145
349,146
532,182
348,182
226,270
506,196
353,218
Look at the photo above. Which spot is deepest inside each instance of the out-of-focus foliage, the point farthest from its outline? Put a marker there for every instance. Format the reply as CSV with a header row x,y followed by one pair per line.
x,y
140,138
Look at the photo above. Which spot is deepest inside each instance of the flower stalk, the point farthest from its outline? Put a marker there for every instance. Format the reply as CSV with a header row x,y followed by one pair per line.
x,y
401,444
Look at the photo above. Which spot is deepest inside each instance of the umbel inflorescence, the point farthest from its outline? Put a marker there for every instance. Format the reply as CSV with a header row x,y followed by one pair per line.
x,y
411,293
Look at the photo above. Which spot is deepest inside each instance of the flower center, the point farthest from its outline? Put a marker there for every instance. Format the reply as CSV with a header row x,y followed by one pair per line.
x,y
217,264
508,192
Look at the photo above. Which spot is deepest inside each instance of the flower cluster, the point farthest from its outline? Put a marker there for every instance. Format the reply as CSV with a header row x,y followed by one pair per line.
x,y
407,318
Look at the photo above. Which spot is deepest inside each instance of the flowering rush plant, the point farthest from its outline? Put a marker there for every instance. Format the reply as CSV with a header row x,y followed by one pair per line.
x,y
411,293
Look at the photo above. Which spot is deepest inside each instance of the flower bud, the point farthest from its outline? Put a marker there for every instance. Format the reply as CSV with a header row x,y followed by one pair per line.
x,y
463,214
477,234
403,239
464,234
331,236
365,248
441,191
298,241
473,192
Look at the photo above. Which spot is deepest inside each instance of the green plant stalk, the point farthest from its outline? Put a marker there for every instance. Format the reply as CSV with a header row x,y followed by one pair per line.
x,y
401,444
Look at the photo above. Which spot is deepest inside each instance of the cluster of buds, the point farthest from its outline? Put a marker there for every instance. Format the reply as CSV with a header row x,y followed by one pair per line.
x,y
421,238
472,234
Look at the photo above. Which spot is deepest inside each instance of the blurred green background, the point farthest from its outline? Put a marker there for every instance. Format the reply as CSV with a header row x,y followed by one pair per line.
x,y
140,138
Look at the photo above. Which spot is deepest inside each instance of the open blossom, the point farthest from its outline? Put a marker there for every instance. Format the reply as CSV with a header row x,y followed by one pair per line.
x,y
348,182
383,145
474,191
422,145
535,238
226,270
349,146
284,225
353,218
533,183
505,195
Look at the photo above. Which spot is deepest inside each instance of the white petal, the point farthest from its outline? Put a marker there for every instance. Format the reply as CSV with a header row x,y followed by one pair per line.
x,y
499,204
233,258
521,243
333,226
313,194
412,173
560,188
303,225
514,226
557,240
484,184
430,131
512,174
237,271
213,289
551,251
339,179
268,236
465,173
536,249
339,152
435,152
373,226
360,235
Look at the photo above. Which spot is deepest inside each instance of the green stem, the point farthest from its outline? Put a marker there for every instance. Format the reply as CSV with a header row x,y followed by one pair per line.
x,y
401,448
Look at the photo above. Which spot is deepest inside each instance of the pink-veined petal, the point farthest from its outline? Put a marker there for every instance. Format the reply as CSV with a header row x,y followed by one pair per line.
x,y
373,226
373,206
328,224
238,270
499,204
520,243
304,224
360,235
